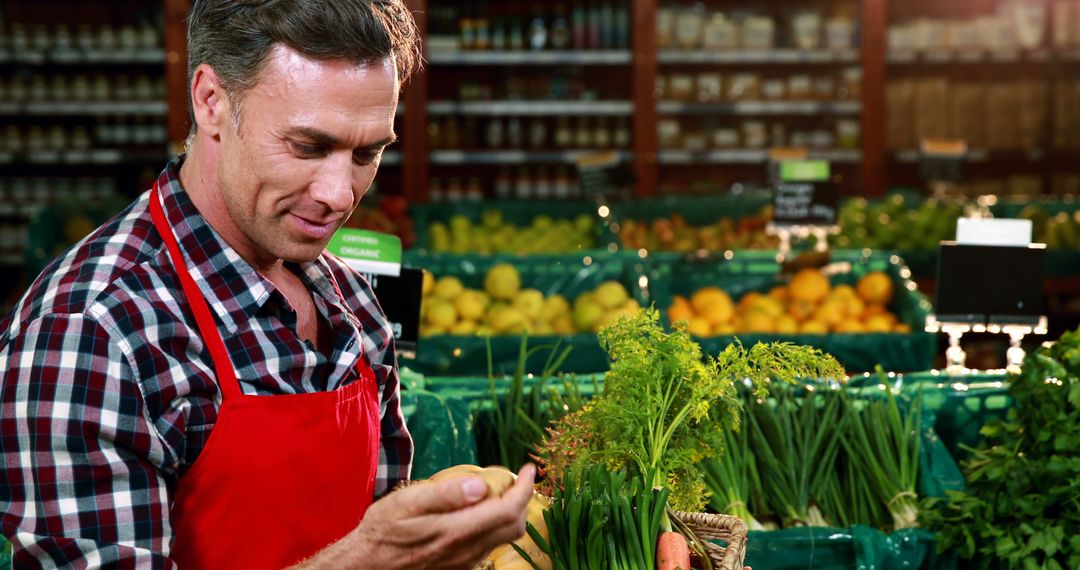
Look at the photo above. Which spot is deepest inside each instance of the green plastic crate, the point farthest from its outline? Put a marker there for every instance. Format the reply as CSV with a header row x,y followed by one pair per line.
x,y
518,212
567,275
671,274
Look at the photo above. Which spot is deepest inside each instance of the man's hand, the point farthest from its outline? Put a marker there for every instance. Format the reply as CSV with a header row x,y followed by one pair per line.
x,y
445,524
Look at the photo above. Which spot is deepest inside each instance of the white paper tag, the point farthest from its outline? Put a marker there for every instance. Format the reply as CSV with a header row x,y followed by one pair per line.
x,y
999,231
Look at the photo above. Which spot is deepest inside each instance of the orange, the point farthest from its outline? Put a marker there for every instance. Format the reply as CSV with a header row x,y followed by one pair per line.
x,y
878,324
844,290
680,310
814,327
699,327
801,310
749,300
758,322
713,305
785,324
875,287
850,327
873,310
724,330
761,303
779,293
808,285
902,328
831,312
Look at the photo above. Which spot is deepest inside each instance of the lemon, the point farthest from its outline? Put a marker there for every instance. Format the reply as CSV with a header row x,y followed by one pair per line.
x,y
447,288
563,325
586,312
502,282
471,304
529,302
441,314
758,322
878,324
505,320
466,327
610,294
555,306
428,284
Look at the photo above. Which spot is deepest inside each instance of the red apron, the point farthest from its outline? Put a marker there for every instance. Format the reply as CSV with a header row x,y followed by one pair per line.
x,y
281,477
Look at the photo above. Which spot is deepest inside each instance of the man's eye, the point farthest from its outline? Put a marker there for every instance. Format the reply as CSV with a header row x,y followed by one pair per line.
x,y
366,157
307,149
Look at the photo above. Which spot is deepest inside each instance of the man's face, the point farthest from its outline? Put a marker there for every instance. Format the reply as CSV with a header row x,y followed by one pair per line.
x,y
309,140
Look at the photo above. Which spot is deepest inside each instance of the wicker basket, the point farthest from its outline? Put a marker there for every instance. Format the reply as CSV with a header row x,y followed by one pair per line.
x,y
727,528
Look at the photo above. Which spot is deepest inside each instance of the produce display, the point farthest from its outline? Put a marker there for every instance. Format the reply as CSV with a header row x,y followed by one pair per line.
x,y
504,307
809,304
820,456
1057,231
663,408
897,223
673,233
1020,508
493,234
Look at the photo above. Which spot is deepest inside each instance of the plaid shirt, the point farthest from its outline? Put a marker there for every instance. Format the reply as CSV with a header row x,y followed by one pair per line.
x,y
108,393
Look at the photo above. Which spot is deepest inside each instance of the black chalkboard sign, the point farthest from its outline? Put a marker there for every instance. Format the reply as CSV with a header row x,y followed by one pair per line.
x,y
400,299
989,284
604,174
805,203
943,160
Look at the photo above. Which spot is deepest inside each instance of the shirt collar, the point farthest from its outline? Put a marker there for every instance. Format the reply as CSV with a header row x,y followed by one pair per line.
x,y
234,290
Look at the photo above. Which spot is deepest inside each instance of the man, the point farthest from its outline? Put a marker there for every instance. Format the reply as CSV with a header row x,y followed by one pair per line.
x,y
197,384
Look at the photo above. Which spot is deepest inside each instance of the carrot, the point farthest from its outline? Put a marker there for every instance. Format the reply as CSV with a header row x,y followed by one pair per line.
x,y
672,552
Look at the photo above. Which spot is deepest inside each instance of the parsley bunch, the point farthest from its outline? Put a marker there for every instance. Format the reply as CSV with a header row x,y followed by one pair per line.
x,y
1022,505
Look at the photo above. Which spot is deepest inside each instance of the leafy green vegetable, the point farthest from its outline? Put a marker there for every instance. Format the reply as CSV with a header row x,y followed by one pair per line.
x,y
664,409
600,520
1022,505
515,427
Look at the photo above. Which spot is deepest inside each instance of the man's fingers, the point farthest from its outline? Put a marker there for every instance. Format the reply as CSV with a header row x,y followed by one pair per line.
x,y
432,497
496,521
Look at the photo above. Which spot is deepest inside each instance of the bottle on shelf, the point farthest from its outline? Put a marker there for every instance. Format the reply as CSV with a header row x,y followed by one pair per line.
x,y
514,136
538,133
564,134
503,184
538,33
621,138
583,136
622,26
607,25
474,191
580,26
494,135
601,134
560,29
523,185
595,24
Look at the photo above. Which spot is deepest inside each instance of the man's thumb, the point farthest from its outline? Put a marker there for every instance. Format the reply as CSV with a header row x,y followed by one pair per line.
x,y
446,496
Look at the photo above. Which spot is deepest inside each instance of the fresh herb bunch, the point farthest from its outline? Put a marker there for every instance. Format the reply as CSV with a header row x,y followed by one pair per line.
x,y
513,428
600,520
664,409
817,455
1020,509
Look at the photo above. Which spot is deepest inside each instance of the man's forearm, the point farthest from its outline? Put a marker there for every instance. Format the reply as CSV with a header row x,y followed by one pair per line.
x,y
343,554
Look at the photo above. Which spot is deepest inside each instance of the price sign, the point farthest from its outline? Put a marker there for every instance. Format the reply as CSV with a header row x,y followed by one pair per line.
x,y
988,284
780,155
942,160
399,290
400,299
805,194
603,174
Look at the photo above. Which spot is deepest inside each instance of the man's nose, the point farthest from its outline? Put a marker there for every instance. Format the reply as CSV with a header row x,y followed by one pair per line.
x,y
334,187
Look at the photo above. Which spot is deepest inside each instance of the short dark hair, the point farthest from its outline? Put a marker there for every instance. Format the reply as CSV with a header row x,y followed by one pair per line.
x,y
235,36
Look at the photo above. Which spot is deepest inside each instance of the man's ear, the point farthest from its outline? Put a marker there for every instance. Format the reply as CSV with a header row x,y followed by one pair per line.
x,y
209,101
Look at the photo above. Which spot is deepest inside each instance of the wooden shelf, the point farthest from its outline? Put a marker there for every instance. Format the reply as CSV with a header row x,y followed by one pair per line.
x,y
762,108
750,156
531,108
950,56
104,156
82,108
84,57
511,157
748,57
976,156
525,57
